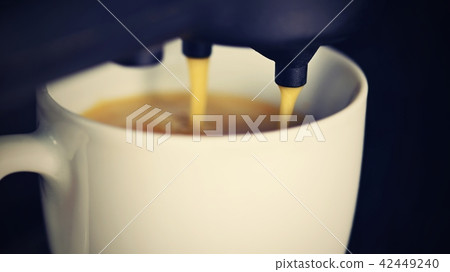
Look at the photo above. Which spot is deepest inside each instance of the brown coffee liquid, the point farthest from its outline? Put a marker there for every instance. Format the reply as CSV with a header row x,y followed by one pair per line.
x,y
114,112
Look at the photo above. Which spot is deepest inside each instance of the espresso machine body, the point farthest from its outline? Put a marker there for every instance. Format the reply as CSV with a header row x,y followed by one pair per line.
x,y
48,39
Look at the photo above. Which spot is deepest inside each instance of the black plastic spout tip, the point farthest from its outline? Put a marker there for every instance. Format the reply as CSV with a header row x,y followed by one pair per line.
x,y
290,76
196,49
291,65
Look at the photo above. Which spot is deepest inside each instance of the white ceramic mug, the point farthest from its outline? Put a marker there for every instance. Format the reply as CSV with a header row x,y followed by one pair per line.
x,y
103,194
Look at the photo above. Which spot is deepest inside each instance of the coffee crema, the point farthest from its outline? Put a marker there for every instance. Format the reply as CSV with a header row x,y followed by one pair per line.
x,y
115,111
183,107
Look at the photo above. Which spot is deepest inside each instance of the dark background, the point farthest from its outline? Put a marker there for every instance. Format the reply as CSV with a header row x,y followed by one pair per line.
x,y
403,204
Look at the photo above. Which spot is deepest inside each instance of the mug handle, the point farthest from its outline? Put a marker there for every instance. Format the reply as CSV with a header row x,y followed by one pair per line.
x,y
32,152
40,153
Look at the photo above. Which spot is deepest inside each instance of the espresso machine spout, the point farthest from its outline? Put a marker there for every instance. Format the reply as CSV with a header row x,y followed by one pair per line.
x,y
49,39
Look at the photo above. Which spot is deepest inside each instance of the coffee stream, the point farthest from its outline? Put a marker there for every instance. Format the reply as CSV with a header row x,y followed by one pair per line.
x,y
183,106
198,75
288,98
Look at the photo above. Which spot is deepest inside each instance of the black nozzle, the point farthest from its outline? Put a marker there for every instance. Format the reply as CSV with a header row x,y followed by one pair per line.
x,y
291,65
291,75
144,57
196,49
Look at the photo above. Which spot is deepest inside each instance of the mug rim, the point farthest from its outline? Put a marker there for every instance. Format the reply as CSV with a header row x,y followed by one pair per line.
x,y
44,97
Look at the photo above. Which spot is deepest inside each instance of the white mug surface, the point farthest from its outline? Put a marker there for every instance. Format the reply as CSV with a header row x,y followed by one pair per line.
x,y
103,194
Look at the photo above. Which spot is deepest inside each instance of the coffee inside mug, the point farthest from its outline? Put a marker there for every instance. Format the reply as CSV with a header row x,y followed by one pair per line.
x,y
174,108
239,72
223,198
